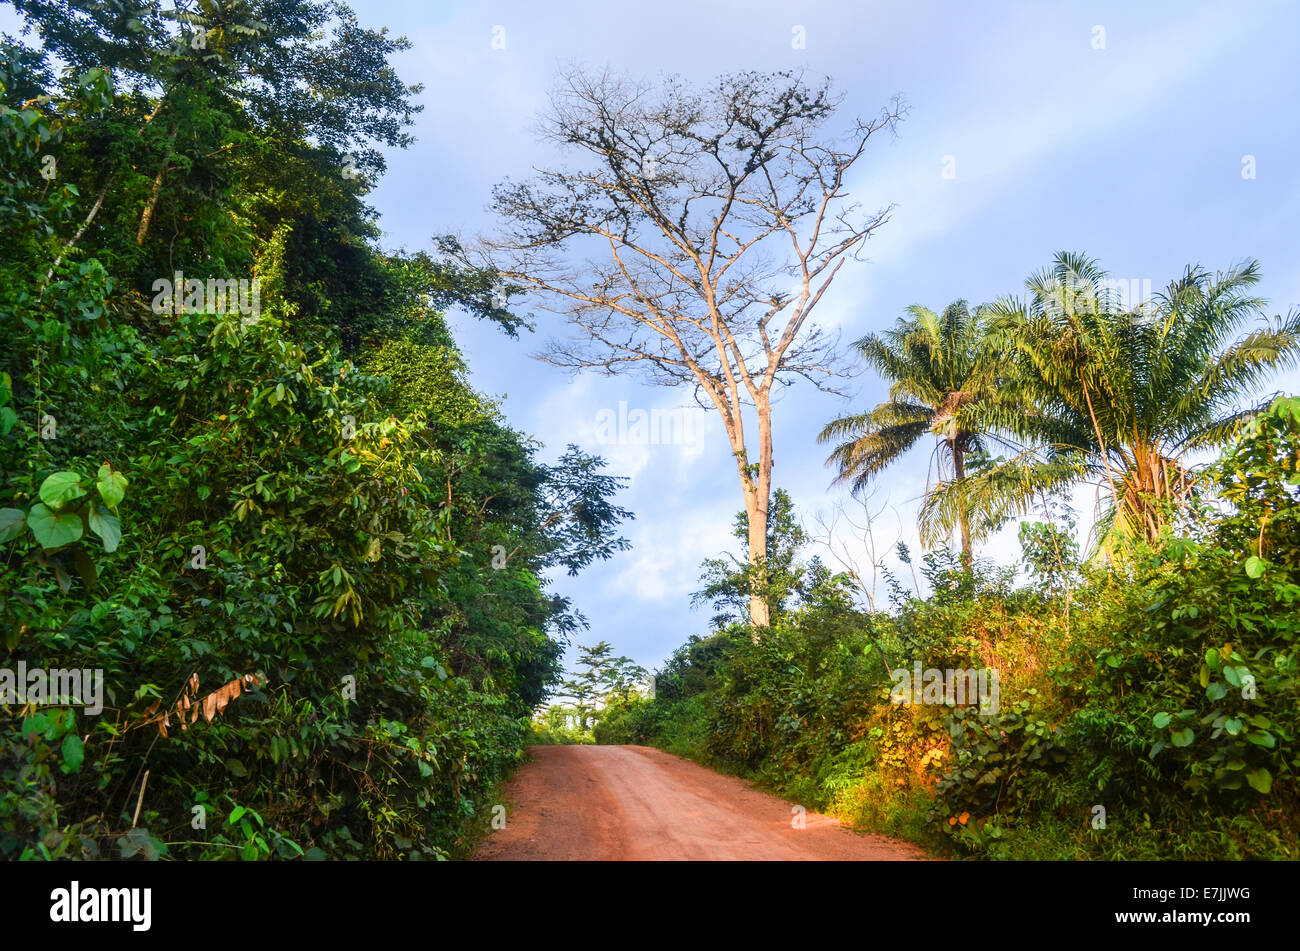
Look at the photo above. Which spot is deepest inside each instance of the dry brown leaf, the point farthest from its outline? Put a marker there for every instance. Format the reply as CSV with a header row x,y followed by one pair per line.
x,y
227,693
189,703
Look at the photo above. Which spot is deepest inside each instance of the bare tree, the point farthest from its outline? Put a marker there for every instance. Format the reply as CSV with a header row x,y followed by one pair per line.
x,y
854,549
692,243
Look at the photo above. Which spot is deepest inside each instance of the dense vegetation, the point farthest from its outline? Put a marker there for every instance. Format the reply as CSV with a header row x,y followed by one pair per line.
x,y
1148,697
244,478
605,681
307,557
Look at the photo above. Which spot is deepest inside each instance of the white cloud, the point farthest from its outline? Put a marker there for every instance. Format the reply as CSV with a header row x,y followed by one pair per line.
x,y
635,428
666,555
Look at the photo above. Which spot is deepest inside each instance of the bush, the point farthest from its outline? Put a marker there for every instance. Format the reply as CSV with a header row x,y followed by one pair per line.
x,y
1148,709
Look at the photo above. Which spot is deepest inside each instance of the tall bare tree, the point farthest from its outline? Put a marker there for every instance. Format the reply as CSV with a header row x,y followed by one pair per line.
x,y
692,242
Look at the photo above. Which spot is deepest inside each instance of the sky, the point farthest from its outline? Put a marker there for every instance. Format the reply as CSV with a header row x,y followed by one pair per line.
x,y
1117,129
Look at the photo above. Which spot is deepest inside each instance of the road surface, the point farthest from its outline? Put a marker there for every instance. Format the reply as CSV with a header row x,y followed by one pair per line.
x,y
634,802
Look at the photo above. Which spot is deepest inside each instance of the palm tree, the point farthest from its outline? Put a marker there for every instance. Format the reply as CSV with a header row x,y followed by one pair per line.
x,y
939,372
1123,394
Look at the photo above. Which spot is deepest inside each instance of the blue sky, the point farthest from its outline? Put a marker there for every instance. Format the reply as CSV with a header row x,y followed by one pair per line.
x,y
1131,153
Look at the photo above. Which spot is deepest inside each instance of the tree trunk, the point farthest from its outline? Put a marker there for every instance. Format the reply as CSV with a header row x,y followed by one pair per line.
x,y
147,216
756,487
103,191
759,612
758,496
149,207
1148,490
963,517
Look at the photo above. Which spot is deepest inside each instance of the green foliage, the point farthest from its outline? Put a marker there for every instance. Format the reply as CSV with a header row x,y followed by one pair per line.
x,y
996,759
558,726
1218,642
943,381
1051,554
607,682
1151,712
730,579
284,528
311,561
1121,393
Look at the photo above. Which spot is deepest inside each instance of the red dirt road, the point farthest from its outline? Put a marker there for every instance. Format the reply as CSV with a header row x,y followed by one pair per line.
x,y
634,802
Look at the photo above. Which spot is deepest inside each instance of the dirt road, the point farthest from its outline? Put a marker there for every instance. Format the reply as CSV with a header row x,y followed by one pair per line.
x,y
634,802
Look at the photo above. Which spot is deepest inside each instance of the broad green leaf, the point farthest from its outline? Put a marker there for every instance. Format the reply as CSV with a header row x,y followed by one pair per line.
x,y
54,530
1183,737
35,724
1161,720
13,522
74,752
111,485
1212,659
1261,780
134,842
61,487
1254,566
106,526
